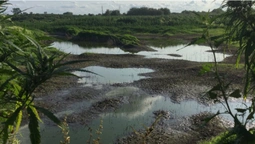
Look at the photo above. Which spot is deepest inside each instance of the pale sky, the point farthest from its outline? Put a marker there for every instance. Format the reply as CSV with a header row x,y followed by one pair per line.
x,y
95,7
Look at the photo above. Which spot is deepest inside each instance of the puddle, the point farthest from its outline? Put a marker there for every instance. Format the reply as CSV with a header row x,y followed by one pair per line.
x,y
111,75
69,47
135,114
196,53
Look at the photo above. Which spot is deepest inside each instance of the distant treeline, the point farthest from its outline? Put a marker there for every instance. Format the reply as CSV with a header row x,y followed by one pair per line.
x,y
68,24
113,24
148,11
139,12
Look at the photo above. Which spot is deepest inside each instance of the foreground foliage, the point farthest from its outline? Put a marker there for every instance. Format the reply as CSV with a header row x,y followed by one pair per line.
x,y
239,28
24,66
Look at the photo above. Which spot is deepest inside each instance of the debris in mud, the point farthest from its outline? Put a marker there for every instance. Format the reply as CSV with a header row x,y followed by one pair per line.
x,y
175,55
163,113
155,136
107,104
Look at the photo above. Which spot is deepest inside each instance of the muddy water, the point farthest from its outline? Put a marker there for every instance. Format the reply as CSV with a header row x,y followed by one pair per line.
x,y
135,113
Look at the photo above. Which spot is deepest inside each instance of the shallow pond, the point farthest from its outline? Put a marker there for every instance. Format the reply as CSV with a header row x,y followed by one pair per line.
x,y
196,53
110,75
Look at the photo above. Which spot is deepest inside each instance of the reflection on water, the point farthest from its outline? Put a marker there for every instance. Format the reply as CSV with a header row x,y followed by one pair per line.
x,y
75,49
111,75
196,53
135,114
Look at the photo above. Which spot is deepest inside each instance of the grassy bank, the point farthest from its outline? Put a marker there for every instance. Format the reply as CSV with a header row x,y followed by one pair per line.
x,y
122,30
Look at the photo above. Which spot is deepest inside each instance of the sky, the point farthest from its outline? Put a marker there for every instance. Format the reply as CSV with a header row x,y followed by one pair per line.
x,y
96,7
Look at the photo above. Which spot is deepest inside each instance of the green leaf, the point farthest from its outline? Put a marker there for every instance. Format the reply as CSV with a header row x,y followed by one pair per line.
x,y
35,112
236,94
205,68
67,74
50,115
33,125
16,68
10,122
87,71
5,135
15,46
40,53
7,82
18,121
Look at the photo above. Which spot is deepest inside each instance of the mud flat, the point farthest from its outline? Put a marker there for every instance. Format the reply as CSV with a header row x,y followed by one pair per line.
x,y
173,87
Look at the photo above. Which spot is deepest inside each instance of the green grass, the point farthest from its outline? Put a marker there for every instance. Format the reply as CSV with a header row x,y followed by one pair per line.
x,y
223,138
216,31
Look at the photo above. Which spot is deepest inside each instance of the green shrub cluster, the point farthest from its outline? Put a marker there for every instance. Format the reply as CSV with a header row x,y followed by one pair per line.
x,y
106,37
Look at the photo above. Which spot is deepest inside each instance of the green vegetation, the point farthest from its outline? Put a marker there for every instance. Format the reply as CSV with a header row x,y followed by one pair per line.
x,y
102,37
24,66
119,30
122,24
224,138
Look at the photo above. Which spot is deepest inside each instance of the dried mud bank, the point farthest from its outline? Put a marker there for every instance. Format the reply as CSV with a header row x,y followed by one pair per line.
x,y
178,79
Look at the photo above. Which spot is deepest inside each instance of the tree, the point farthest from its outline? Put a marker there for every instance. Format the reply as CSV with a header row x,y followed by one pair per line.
x,y
111,13
217,11
67,13
115,13
16,11
165,11
107,12
146,11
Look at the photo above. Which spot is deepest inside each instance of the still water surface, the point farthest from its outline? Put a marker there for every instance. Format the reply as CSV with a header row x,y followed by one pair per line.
x,y
196,53
69,47
110,75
